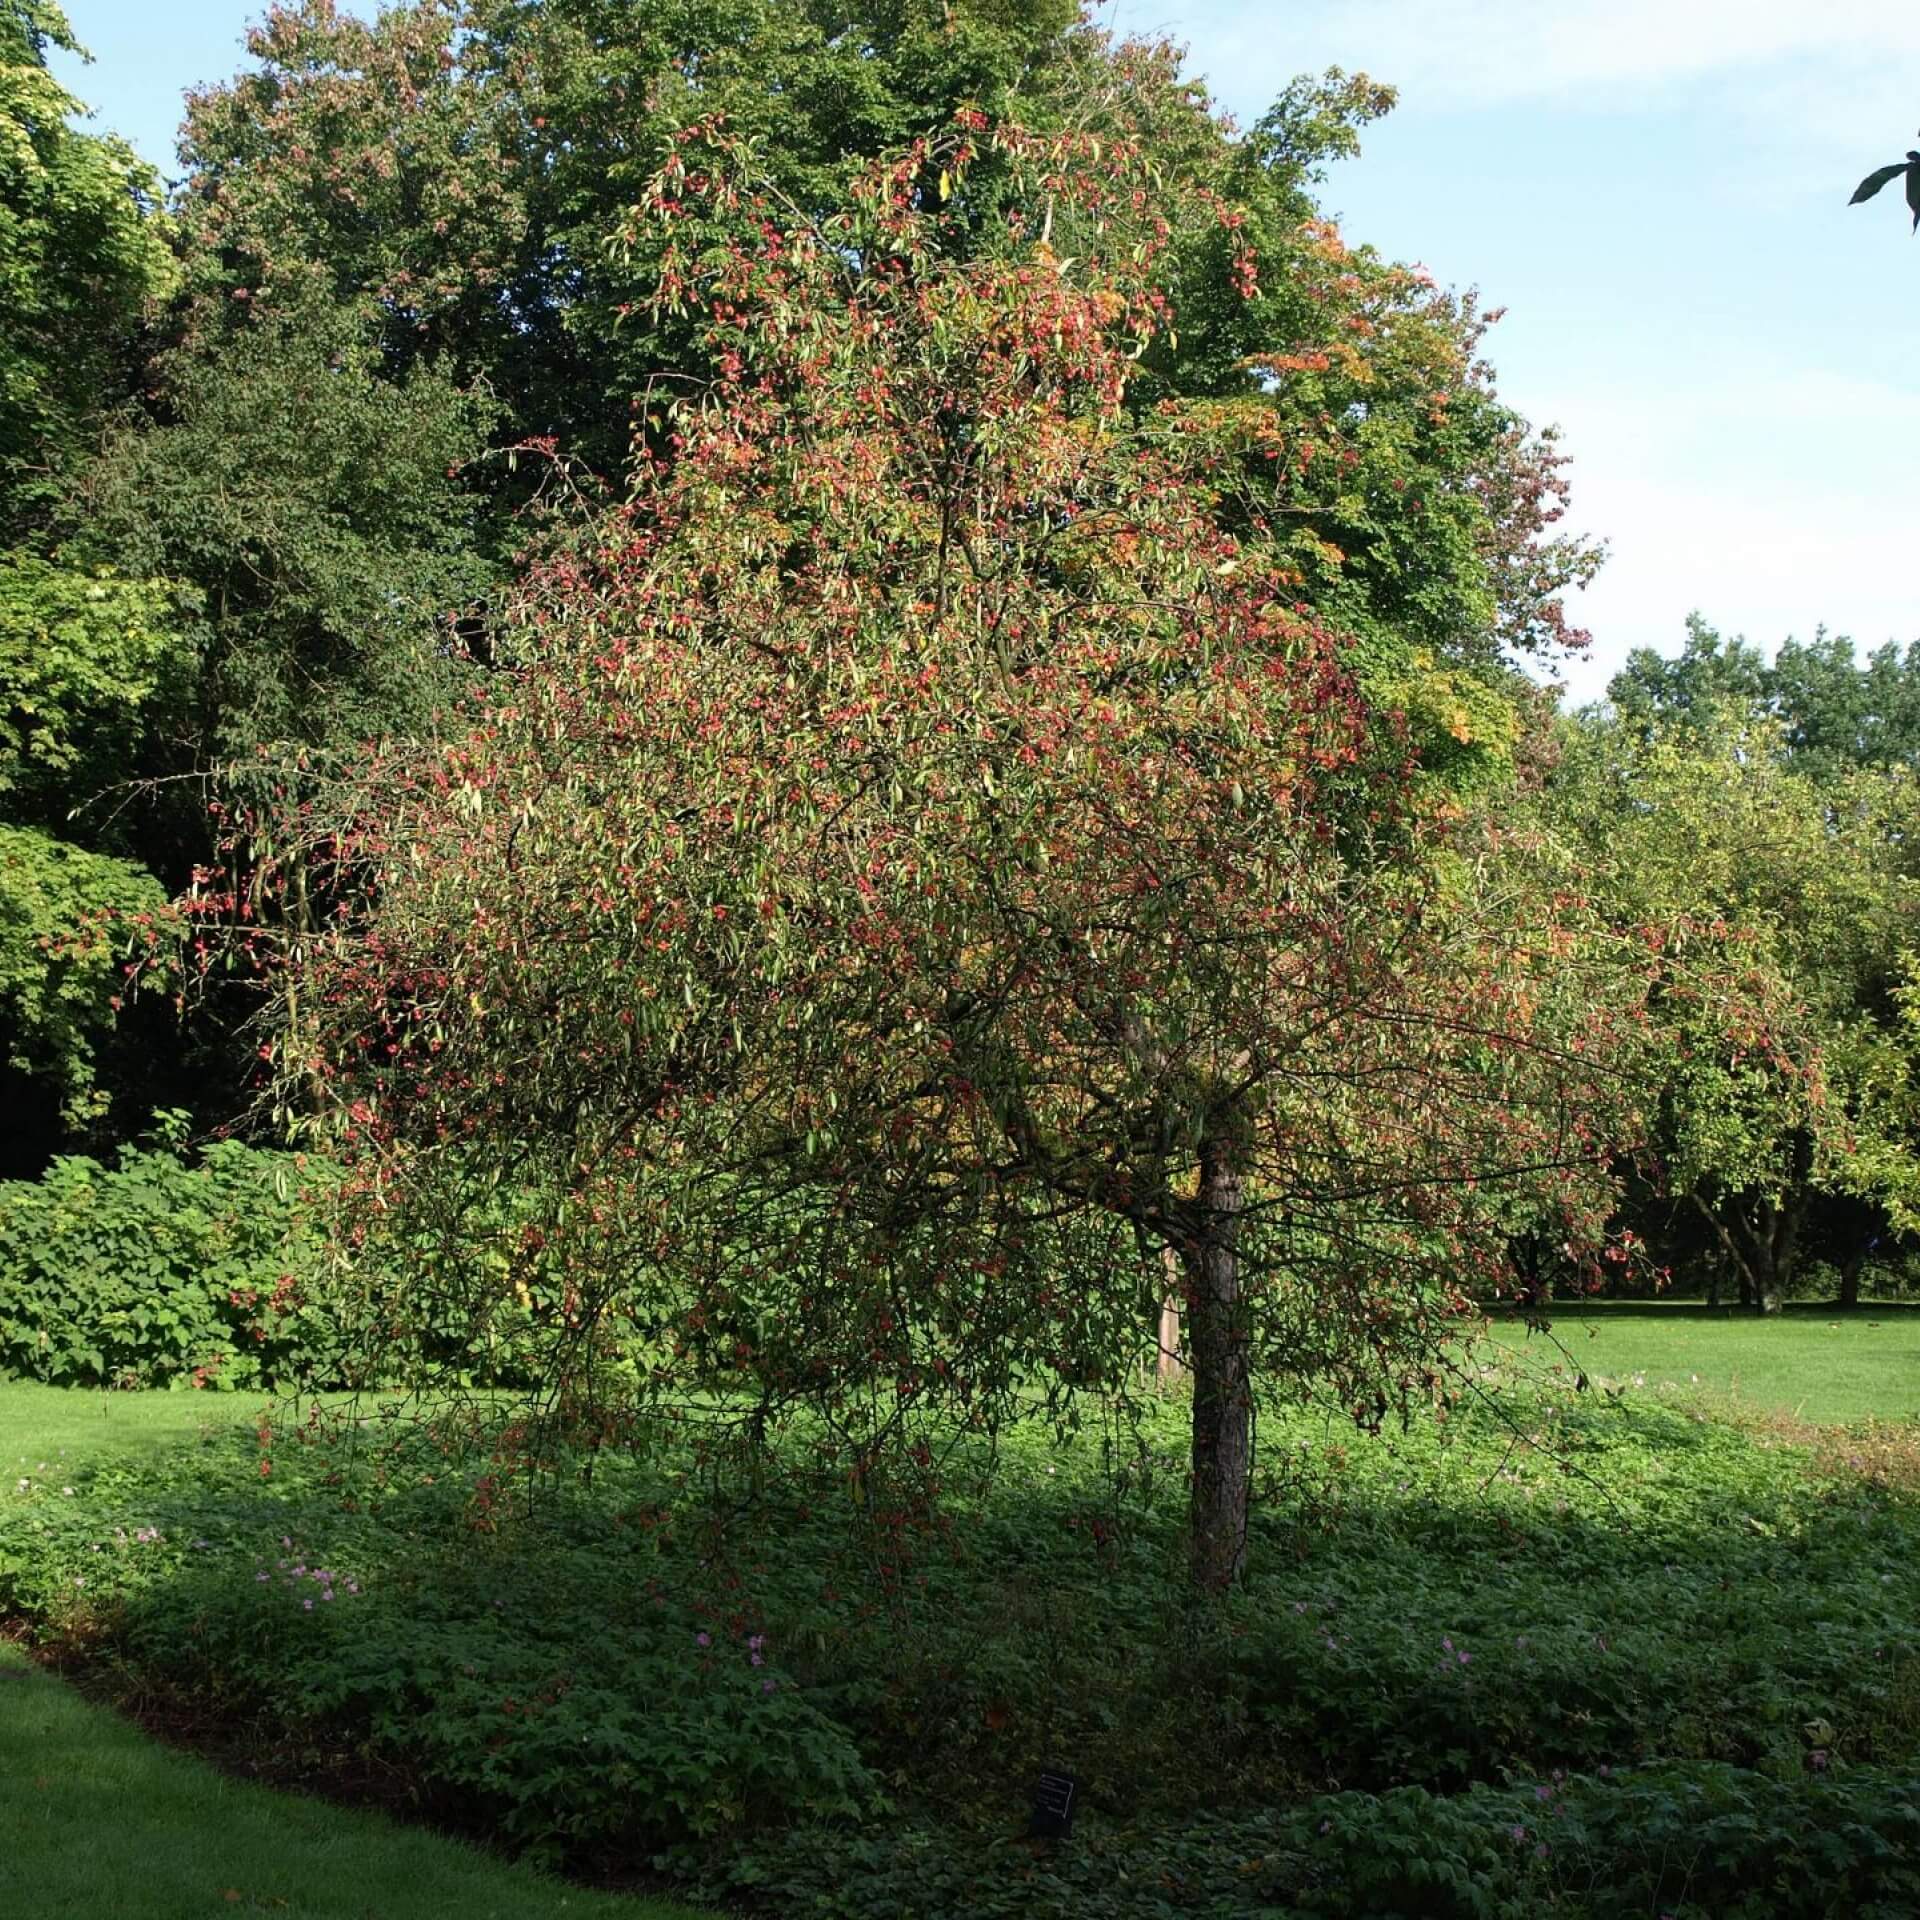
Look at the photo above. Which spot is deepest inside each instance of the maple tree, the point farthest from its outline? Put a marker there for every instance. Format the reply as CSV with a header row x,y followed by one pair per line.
x,y
925,855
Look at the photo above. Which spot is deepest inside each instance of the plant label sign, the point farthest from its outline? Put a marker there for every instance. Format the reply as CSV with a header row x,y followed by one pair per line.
x,y
1053,1801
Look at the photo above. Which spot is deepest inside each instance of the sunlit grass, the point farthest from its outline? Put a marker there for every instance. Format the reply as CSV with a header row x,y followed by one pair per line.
x,y
1824,1367
39,1426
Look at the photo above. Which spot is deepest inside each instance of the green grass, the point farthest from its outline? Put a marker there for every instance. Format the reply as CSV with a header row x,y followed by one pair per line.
x,y
96,1819
41,1426
1817,1365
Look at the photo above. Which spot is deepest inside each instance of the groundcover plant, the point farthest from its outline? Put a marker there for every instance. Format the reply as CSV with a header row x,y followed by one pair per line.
x,y
1593,1658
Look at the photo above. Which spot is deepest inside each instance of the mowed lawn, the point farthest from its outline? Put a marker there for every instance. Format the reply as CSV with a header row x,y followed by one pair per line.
x,y
40,1426
1810,1362
98,1820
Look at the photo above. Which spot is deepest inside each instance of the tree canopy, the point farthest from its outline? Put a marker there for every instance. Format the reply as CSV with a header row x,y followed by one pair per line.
x,y
85,649
458,175
928,854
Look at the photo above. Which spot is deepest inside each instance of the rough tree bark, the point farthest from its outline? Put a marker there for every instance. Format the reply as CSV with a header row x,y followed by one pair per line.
x,y
1776,1247
1764,1252
1217,1349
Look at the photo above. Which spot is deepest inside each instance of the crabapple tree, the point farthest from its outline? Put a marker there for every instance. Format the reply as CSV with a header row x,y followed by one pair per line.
x,y
923,858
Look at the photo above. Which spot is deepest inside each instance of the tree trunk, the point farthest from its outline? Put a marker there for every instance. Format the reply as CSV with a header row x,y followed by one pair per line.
x,y
1222,1393
1762,1254
1166,1359
1766,1275
1783,1221
1850,1272
1776,1248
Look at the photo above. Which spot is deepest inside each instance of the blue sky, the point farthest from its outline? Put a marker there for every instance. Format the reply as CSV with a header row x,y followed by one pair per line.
x,y
1653,189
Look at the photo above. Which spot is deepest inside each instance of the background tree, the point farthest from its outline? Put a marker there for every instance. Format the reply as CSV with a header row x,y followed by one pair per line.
x,y
1835,712
82,261
84,649
315,507
1782,906
460,172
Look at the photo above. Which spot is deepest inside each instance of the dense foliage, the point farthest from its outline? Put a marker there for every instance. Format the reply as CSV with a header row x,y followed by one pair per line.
x,y
822,710
384,336
82,261
84,264
171,1268
929,858
456,175
156,1272
1619,1655
64,919
1765,812
1832,713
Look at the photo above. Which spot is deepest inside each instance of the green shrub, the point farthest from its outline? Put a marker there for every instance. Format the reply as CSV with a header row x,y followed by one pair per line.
x,y
165,1271
159,1272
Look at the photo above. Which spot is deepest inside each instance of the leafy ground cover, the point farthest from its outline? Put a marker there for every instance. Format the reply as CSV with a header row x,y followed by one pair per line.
x,y
1558,1652
1811,1361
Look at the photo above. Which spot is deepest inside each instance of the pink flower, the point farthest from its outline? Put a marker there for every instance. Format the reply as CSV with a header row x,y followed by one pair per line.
x,y
703,1639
